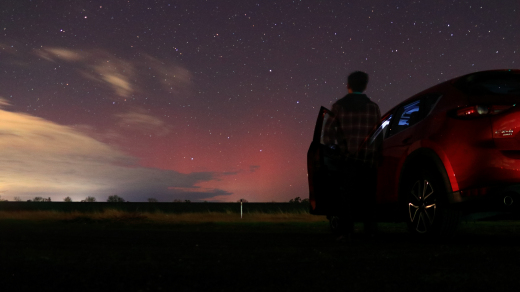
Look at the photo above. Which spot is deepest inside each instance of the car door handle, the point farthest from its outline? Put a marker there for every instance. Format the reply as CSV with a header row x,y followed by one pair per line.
x,y
406,140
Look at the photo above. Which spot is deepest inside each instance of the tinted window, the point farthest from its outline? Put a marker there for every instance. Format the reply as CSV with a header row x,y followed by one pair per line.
x,y
412,113
382,130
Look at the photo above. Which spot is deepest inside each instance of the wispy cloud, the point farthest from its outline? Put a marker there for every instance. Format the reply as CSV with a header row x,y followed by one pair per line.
x,y
4,102
141,121
60,53
120,74
41,158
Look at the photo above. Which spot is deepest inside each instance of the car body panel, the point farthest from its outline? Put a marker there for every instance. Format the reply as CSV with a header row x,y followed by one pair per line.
x,y
505,129
392,160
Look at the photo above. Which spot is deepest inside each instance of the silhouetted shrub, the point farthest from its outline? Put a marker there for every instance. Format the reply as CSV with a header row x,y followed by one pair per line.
x,y
115,199
89,199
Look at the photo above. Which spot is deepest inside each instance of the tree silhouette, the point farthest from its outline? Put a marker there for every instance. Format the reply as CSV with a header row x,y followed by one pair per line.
x,y
115,199
299,200
41,199
67,199
89,199
295,200
152,200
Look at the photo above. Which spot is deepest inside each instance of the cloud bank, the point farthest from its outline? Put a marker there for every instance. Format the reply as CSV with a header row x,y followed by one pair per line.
x,y
42,158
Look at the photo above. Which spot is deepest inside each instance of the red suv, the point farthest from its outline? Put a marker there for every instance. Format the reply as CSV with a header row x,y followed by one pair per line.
x,y
449,151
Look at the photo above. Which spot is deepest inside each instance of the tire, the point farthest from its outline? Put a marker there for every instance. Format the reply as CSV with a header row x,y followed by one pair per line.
x,y
428,210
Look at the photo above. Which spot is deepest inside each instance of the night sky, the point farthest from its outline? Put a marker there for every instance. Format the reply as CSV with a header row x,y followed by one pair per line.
x,y
212,100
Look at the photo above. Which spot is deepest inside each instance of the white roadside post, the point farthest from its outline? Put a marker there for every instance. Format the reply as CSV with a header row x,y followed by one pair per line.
x,y
240,208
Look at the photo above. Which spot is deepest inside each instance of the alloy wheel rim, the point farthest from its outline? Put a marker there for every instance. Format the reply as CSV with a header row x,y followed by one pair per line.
x,y
422,206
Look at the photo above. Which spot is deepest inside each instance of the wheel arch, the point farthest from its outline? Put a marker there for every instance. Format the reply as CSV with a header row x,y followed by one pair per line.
x,y
425,157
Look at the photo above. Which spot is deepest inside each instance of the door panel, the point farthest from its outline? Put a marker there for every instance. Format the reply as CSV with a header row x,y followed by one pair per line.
x,y
394,149
323,168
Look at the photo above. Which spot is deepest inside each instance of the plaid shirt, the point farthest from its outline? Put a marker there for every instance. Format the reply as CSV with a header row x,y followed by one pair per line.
x,y
353,119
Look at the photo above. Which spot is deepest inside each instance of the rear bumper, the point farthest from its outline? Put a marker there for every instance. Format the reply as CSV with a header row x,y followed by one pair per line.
x,y
493,199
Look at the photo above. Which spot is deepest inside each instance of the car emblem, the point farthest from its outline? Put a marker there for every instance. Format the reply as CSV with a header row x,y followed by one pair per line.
x,y
504,133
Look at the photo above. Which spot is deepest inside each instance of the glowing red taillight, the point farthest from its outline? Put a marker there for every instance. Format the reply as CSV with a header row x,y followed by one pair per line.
x,y
468,111
482,110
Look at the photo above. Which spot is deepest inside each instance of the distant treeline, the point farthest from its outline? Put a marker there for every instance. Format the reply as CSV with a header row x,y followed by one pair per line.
x,y
118,199
176,207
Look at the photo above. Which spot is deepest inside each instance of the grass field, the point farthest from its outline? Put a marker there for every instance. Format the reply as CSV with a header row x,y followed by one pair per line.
x,y
163,207
111,216
122,251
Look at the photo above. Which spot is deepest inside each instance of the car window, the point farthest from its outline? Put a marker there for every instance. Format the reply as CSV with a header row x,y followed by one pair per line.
x,y
412,113
381,130
384,126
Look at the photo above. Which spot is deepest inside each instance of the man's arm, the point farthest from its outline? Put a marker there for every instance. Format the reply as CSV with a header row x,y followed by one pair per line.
x,y
368,123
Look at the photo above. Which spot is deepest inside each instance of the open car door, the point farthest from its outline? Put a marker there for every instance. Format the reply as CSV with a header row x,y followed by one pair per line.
x,y
323,170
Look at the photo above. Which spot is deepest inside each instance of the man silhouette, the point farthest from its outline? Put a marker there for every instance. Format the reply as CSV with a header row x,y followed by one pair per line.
x,y
353,119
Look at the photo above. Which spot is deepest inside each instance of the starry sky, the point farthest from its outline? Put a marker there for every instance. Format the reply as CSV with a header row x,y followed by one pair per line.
x,y
212,100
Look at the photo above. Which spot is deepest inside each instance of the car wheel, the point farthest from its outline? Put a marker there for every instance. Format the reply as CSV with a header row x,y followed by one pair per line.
x,y
427,208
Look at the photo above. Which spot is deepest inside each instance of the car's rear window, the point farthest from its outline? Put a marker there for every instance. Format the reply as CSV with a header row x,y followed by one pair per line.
x,y
497,82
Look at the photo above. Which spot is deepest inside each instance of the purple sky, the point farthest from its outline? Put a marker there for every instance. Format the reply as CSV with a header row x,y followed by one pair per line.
x,y
211,100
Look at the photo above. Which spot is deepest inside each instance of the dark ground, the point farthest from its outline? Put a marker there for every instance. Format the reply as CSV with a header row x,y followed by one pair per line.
x,y
164,207
83,255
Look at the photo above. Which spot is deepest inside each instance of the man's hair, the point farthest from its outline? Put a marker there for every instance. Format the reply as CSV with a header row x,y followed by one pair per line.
x,y
357,81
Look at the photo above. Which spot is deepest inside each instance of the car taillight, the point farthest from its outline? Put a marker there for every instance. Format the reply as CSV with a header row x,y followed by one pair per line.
x,y
482,110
